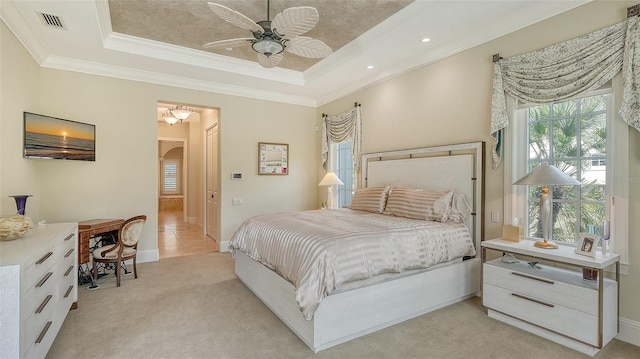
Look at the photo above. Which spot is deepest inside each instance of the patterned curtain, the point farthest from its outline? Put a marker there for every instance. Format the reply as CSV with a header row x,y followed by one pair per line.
x,y
342,128
564,70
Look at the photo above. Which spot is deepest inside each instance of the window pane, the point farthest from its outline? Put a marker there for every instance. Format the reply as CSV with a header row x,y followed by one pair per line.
x,y
565,138
344,170
572,136
539,140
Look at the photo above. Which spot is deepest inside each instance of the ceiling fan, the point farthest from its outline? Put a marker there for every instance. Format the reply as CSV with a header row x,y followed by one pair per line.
x,y
271,38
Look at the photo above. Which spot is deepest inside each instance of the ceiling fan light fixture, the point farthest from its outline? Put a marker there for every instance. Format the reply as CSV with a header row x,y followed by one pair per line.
x,y
268,47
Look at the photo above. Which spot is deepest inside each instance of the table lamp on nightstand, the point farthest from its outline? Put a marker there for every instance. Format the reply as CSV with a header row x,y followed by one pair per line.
x,y
545,175
329,180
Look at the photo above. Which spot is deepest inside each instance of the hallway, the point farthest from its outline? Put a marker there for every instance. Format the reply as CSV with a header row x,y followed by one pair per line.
x,y
177,238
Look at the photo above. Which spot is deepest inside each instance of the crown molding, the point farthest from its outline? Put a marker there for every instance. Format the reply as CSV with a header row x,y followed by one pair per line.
x,y
93,68
8,13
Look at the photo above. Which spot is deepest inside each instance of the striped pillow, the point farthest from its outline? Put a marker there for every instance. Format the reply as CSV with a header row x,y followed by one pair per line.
x,y
419,204
371,199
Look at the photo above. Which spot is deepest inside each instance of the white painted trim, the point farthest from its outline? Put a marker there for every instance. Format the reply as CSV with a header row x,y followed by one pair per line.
x,y
102,69
629,331
224,246
149,255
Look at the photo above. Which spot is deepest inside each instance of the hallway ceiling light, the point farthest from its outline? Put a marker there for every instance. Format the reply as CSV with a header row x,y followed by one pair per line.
x,y
181,112
169,117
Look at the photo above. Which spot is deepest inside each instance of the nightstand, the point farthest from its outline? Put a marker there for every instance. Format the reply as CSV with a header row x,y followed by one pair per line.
x,y
553,302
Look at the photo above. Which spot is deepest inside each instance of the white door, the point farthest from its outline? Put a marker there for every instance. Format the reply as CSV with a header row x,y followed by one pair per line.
x,y
212,183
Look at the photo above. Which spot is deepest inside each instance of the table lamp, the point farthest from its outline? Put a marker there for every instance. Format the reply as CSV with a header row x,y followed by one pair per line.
x,y
545,175
329,180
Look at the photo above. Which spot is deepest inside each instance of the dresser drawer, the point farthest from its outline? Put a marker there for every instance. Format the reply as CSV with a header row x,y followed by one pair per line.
x,y
42,263
570,322
545,284
36,296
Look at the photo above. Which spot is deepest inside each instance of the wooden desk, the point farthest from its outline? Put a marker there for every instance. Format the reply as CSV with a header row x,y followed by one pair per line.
x,y
92,228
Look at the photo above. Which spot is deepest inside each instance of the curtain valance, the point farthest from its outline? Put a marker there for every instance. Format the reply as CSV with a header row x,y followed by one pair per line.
x,y
342,128
564,70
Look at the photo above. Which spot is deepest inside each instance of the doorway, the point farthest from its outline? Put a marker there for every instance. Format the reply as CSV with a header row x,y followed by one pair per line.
x,y
183,166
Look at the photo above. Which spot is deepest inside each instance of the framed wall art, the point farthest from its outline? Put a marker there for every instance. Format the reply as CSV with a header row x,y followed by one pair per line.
x,y
273,158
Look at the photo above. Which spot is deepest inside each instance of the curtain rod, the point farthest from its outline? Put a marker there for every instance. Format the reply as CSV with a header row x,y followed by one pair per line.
x,y
355,104
631,12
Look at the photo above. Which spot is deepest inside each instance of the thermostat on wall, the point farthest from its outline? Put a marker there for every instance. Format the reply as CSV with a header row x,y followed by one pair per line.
x,y
236,176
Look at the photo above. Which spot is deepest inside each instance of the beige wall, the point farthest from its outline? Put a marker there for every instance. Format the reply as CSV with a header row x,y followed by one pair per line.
x,y
449,102
445,102
122,181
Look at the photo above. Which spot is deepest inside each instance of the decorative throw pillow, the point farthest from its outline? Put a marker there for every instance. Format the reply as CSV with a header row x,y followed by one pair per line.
x,y
371,199
460,209
419,204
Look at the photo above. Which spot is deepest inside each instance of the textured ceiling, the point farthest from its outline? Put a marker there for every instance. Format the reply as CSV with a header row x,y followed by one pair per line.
x,y
191,24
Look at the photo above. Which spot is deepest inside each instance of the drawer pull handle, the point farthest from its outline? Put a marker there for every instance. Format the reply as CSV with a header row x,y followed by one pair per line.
x,y
532,300
68,253
68,271
43,333
69,237
68,291
46,256
534,278
44,279
44,304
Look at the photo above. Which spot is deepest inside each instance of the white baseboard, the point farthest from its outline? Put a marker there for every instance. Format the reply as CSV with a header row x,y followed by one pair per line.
x,y
150,255
193,220
224,246
629,331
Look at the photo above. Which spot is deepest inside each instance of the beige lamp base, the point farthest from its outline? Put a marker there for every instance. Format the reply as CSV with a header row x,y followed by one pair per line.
x,y
546,245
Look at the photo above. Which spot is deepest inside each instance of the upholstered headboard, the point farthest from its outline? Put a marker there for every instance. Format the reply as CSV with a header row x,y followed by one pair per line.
x,y
458,167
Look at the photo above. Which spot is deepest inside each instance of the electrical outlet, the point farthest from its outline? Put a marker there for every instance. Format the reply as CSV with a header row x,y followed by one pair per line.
x,y
236,202
495,216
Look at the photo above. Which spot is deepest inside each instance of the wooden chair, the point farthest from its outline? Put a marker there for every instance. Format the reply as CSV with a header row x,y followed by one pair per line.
x,y
124,249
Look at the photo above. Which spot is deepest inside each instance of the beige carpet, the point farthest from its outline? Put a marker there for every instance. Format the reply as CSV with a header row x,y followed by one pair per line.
x,y
195,307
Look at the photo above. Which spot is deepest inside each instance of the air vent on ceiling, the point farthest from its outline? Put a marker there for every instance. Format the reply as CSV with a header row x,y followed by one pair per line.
x,y
52,20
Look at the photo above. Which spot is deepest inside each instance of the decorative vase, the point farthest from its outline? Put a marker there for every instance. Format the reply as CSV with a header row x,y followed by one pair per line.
x,y
590,275
21,202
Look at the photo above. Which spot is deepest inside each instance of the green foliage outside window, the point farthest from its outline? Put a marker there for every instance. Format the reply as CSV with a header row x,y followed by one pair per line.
x,y
572,136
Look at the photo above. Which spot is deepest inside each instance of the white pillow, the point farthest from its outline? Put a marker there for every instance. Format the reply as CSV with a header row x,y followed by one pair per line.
x,y
460,209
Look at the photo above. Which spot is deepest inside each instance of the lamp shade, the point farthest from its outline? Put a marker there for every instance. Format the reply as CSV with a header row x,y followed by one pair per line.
x,y
547,175
330,179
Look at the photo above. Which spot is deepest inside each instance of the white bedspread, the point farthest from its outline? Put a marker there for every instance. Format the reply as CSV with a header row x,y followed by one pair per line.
x,y
317,251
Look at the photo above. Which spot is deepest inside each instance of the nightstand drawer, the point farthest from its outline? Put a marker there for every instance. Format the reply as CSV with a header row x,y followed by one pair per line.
x,y
558,318
548,284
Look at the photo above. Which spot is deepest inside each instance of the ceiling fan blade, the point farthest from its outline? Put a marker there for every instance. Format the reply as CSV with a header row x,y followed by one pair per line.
x,y
235,18
295,20
228,43
269,61
307,47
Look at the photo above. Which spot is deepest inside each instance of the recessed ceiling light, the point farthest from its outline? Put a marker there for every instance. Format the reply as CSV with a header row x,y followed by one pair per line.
x,y
425,39
370,67
228,48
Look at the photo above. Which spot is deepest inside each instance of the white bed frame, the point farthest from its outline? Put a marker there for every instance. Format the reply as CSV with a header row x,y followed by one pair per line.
x,y
353,313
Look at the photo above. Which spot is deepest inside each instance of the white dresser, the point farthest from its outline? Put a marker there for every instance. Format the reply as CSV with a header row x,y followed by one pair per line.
x,y
550,301
38,286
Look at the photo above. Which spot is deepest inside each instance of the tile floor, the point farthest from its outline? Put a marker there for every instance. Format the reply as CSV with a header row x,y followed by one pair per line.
x,y
177,238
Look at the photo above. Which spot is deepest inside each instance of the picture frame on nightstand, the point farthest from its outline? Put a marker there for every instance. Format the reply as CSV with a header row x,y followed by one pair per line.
x,y
587,244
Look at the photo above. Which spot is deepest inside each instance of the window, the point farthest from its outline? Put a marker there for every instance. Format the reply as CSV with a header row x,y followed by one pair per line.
x,y
572,136
345,171
170,177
